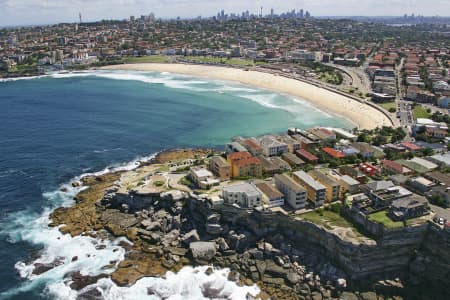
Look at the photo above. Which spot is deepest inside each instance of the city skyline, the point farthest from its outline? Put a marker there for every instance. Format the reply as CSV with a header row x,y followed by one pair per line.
x,y
32,12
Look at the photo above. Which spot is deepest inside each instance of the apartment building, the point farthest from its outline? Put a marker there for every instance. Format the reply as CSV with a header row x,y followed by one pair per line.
x,y
271,195
243,164
219,166
316,192
332,186
245,195
293,192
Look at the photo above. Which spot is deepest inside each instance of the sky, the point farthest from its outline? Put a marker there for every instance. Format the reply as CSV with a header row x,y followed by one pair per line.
x,y
30,12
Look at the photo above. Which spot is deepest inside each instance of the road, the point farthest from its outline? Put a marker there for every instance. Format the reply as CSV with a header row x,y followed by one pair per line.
x,y
359,78
441,212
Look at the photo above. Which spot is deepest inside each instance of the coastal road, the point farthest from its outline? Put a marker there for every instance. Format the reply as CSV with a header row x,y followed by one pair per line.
x,y
359,78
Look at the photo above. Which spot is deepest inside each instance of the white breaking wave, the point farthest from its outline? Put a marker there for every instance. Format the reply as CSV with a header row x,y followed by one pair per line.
x,y
22,78
93,256
304,113
189,283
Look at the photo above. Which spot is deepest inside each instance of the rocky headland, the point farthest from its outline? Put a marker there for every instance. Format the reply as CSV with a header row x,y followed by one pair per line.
x,y
288,258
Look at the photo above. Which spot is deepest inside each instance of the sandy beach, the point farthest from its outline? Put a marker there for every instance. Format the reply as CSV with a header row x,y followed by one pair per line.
x,y
365,116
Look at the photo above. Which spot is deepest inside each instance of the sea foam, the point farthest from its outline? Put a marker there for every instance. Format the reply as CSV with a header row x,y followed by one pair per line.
x,y
93,256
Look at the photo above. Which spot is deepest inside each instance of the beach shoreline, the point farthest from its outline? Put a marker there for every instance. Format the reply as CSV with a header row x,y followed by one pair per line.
x,y
362,114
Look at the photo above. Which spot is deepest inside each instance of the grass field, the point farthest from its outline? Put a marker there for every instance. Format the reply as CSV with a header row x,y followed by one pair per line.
x,y
420,112
328,219
147,59
388,105
382,217
226,61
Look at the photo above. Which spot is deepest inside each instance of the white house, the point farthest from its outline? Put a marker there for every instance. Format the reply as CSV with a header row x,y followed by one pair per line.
x,y
245,195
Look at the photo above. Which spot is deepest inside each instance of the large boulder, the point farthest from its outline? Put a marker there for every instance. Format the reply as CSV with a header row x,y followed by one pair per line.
x,y
213,229
214,218
237,241
203,251
191,236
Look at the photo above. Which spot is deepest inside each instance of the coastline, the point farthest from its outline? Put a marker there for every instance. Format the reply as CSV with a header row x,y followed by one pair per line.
x,y
364,115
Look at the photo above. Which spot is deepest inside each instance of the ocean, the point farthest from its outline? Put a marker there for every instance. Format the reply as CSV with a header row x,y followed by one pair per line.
x,y
54,129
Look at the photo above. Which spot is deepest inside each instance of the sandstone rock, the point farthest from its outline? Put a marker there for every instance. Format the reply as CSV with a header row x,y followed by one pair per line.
x,y
150,225
279,261
272,280
176,222
303,289
238,241
140,231
177,251
316,296
160,214
172,236
274,269
348,296
204,251
223,245
261,266
214,218
173,195
191,236
75,184
79,281
368,296
40,268
213,229
293,278
169,264
256,254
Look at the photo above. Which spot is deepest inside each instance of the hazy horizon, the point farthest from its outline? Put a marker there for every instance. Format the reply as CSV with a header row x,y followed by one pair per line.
x,y
44,12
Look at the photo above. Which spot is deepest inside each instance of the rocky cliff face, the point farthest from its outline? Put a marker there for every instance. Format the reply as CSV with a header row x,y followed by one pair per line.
x,y
423,250
431,263
419,254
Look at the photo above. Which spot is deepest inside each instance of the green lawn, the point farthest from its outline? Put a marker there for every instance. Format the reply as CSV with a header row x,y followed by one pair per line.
x,y
327,218
218,60
382,217
388,105
420,112
147,59
331,77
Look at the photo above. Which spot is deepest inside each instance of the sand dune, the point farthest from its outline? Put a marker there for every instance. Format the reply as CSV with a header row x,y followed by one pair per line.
x,y
362,114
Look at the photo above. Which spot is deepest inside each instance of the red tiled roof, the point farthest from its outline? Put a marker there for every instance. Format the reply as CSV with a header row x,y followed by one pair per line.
x,y
309,156
238,155
411,146
333,152
246,162
393,165
252,144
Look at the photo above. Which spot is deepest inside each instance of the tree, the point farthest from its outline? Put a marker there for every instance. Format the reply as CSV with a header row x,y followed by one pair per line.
x,y
438,200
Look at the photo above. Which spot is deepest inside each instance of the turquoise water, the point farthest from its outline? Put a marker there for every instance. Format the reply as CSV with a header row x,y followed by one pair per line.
x,y
55,128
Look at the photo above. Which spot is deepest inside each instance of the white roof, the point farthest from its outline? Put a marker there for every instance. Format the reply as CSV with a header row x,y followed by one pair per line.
x,y
309,180
349,180
425,163
443,158
245,187
424,121
423,181
202,172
